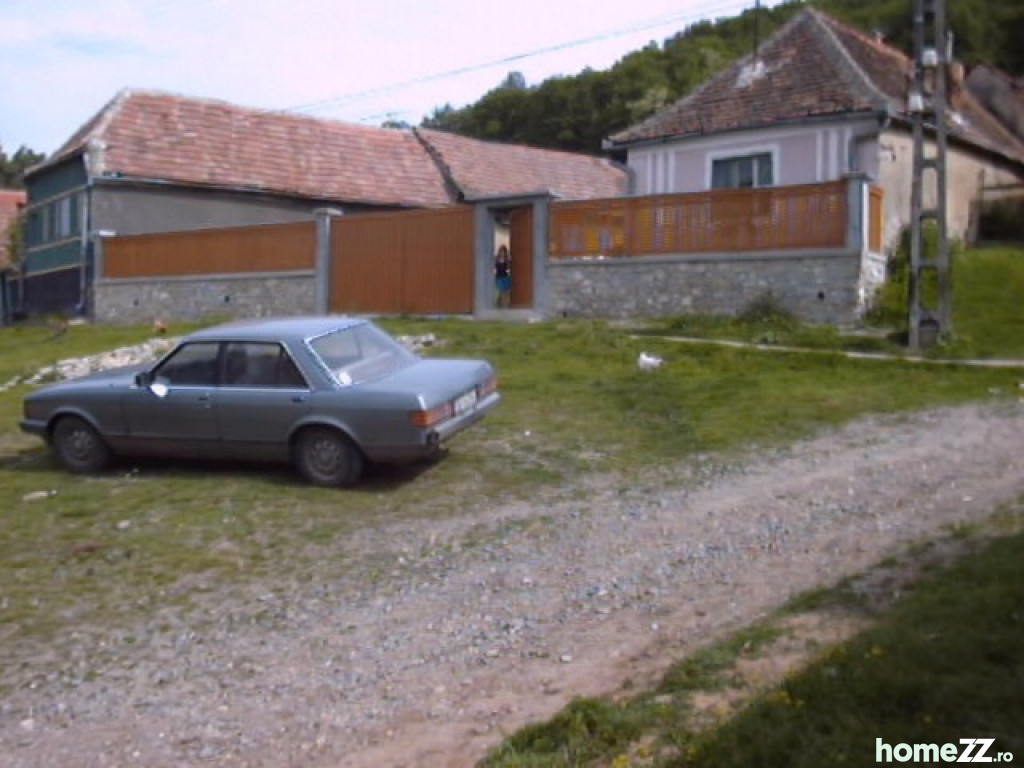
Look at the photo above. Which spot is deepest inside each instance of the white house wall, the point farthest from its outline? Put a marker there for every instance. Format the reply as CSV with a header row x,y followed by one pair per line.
x,y
807,154
966,174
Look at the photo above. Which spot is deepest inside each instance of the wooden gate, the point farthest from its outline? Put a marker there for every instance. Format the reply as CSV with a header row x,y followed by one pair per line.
x,y
420,262
521,238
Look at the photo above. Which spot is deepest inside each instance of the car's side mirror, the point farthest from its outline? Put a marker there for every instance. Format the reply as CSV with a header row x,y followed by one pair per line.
x,y
145,379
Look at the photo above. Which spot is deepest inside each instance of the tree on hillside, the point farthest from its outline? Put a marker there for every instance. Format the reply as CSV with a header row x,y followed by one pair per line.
x,y
577,112
514,80
12,169
14,239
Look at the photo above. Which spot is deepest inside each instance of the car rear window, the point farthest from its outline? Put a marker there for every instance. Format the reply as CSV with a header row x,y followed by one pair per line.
x,y
360,353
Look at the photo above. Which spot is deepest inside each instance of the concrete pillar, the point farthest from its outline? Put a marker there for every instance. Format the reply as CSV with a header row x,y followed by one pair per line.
x,y
483,281
322,293
96,242
541,243
857,211
97,256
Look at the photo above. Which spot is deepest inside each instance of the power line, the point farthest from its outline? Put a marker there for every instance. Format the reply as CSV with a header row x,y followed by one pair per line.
x,y
688,17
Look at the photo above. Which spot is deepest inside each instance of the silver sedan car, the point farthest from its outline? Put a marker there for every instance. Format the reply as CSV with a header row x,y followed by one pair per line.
x,y
325,393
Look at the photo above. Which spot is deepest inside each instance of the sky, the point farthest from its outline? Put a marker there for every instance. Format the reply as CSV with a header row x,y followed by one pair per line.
x,y
361,61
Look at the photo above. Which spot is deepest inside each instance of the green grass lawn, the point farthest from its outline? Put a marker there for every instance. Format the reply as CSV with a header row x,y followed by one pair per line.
x,y
945,664
101,551
988,316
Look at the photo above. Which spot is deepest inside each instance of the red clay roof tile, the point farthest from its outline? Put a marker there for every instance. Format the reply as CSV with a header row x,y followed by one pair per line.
x,y
489,169
154,135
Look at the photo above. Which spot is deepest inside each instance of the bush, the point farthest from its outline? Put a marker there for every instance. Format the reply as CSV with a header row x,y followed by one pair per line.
x,y
1002,220
766,309
891,306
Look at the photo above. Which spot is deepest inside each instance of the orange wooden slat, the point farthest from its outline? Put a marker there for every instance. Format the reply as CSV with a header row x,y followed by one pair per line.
x,y
265,248
420,262
773,218
875,220
521,226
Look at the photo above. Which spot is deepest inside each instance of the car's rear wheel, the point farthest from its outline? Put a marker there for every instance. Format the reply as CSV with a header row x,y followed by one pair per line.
x,y
327,457
78,446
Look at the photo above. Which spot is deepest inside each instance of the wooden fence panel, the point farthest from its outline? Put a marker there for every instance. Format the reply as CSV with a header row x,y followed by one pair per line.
x,y
415,261
774,218
238,250
521,238
876,217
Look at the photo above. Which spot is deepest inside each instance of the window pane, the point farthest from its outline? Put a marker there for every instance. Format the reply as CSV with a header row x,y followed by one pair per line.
x,y
720,174
288,374
73,215
35,227
63,217
764,171
260,366
361,353
193,365
742,172
745,172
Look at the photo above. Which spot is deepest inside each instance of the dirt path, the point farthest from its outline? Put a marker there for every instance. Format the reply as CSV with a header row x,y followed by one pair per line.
x,y
478,625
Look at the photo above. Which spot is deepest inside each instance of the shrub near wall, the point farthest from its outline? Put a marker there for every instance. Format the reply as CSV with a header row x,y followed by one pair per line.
x,y
1002,220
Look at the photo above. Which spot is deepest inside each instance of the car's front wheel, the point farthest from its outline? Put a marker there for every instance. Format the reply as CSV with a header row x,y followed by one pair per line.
x,y
78,446
327,457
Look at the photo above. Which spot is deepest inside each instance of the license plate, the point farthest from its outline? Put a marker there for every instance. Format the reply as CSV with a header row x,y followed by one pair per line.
x,y
465,402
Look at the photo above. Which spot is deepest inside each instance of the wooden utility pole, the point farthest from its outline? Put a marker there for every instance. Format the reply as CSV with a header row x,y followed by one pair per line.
x,y
931,303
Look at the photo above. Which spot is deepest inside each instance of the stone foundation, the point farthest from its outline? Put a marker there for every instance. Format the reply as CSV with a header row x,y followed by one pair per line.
x,y
144,300
816,287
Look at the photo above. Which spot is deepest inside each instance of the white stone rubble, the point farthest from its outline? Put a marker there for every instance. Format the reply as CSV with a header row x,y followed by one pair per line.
x,y
74,367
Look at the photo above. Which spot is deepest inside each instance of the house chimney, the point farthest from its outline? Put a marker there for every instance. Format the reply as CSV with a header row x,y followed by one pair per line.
x,y
95,157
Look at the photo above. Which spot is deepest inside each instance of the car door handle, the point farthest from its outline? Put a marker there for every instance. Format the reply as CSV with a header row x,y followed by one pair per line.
x,y
204,397
298,398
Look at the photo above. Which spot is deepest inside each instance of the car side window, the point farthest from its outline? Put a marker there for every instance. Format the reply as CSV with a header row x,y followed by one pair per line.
x,y
260,365
192,365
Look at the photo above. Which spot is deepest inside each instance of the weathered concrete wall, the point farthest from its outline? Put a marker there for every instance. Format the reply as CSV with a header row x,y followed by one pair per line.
x,y
818,287
206,296
135,209
966,174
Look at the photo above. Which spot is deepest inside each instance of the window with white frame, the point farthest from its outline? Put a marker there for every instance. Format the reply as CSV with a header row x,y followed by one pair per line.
x,y
742,172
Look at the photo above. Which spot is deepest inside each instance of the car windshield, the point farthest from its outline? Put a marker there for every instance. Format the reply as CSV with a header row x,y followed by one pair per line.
x,y
361,353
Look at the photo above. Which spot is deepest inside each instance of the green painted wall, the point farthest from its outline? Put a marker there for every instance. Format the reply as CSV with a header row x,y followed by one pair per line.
x,y
56,180
60,255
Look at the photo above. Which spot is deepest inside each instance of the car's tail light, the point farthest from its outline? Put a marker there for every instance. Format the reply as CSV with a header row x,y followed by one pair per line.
x,y
489,386
431,417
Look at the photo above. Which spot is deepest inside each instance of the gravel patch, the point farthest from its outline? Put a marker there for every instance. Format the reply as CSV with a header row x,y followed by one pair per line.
x,y
472,627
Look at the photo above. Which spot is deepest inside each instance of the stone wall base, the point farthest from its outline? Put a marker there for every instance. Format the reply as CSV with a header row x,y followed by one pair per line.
x,y
146,300
816,287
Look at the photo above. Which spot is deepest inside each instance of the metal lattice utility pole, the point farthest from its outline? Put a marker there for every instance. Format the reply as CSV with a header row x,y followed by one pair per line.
x,y
931,301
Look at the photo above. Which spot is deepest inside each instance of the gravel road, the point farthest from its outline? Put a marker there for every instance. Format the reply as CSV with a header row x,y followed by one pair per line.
x,y
474,626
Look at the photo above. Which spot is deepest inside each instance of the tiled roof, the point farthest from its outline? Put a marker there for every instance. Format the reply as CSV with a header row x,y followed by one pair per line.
x,y
812,67
1002,95
488,169
11,201
154,135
